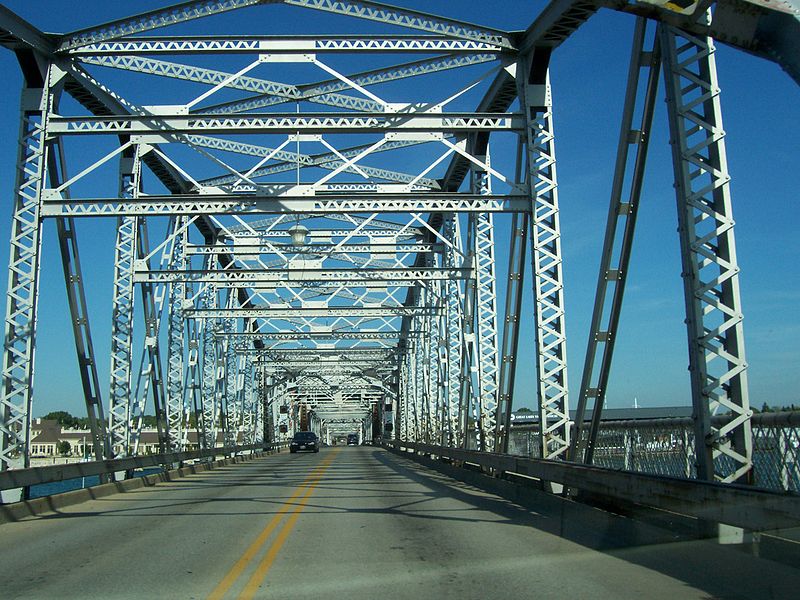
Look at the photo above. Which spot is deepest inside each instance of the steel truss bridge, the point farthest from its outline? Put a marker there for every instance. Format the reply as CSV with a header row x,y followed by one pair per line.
x,y
301,245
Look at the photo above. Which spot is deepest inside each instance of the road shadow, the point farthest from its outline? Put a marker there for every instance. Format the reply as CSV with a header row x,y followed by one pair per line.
x,y
721,571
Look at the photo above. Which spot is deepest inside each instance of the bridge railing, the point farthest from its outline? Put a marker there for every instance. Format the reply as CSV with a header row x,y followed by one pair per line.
x,y
666,447
744,506
24,478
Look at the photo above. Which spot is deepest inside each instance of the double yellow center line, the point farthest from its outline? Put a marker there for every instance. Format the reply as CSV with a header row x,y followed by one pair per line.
x,y
295,505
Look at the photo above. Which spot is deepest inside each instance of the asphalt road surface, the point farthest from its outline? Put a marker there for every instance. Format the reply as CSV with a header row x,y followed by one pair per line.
x,y
358,522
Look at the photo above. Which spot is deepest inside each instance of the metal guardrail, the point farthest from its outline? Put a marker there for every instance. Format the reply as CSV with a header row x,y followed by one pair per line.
x,y
21,478
738,505
666,447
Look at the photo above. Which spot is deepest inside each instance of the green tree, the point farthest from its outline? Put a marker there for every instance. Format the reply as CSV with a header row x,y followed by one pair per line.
x,y
67,420
64,447
62,417
149,421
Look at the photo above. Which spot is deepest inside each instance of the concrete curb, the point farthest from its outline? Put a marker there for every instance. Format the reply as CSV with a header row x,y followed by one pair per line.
x,y
17,511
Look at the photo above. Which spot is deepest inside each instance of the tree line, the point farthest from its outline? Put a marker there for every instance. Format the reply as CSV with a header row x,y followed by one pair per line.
x,y
66,420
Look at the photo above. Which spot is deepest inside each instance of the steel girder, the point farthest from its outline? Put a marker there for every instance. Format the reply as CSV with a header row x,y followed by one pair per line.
x,y
245,205
330,276
404,44
289,313
287,123
717,362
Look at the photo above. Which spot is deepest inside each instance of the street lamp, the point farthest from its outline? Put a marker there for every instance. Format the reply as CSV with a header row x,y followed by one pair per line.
x,y
299,234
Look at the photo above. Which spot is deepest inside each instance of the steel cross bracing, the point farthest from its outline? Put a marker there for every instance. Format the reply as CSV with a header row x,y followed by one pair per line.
x,y
151,379
321,268
364,9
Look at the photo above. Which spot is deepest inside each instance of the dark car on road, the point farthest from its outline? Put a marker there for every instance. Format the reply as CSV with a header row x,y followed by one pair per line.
x,y
305,441
352,439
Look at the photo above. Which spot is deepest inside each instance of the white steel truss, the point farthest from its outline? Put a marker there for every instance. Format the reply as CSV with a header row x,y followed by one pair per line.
x,y
337,270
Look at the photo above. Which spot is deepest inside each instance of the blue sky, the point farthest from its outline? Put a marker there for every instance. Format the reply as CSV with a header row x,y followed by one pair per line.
x,y
761,112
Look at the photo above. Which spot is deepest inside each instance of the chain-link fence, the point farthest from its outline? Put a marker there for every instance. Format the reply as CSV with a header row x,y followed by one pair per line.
x,y
666,447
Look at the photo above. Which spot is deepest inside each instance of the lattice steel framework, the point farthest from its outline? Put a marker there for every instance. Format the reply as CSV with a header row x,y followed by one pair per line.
x,y
303,278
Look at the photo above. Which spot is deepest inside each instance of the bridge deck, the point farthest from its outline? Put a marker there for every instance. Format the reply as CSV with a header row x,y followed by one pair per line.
x,y
358,522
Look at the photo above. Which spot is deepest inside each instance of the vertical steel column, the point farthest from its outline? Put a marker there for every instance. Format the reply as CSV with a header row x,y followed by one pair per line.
x,y
175,339
551,341
513,309
439,351
468,400
717,362
260,419
620,226
402,410
208,299
511,320
455,333
415,400
79,312
23,275
151,377
247,406
122,311
424,367
232,412
486,315
84,348
193,377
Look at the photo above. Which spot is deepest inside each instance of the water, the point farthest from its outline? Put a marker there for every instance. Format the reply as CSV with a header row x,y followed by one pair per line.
x,y
67,485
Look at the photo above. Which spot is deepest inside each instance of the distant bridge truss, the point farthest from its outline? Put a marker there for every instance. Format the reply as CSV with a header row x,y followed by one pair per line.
x,y
304,244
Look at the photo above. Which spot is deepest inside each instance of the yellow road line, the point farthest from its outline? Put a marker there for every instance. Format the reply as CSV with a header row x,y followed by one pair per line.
x,y
260,573
236,570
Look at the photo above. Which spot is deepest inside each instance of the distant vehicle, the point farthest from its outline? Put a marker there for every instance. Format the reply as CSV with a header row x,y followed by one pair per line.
x,y
306,441
352,439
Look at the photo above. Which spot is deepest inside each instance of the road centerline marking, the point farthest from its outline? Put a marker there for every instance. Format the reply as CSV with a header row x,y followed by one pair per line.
x,y
251,587
252,550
